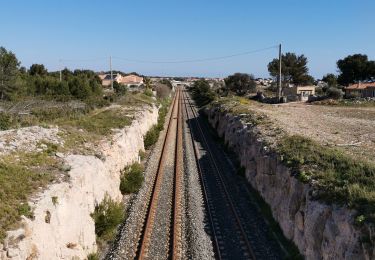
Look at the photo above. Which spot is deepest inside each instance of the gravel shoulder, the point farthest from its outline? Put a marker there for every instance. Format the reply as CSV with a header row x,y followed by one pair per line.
x,y
198,241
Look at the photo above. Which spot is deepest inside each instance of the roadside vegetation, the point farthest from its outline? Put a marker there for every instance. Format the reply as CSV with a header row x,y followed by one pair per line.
x,y
355,102
336,177
152,135
131,179
108,215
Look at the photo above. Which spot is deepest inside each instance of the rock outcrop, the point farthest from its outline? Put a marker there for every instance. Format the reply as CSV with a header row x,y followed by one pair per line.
x,y
62,227
320,231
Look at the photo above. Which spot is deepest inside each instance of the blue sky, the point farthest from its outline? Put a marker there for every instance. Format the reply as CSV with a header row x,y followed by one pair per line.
x,y
87,32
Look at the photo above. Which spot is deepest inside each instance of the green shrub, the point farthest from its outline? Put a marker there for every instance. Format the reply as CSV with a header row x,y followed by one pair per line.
x,y
151,137
131,179
202,92
93,256
5,121
120,89
25,210
142,154
107,216
148,92
335,93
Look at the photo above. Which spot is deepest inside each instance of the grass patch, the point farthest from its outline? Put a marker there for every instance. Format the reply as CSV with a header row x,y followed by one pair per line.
x,y
100,122
131,178
17,183
40,116
107,216
22,174
337,177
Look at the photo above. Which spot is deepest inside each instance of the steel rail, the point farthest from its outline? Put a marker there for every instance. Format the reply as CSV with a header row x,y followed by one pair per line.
x,y
147,231
234,212
177,214
204,190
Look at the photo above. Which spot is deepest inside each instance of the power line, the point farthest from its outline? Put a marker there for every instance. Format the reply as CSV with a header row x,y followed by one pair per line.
x,y
83,60
173,61
198,60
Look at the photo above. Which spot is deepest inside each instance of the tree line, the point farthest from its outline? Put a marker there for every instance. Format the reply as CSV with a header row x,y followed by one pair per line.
x,y
18,82
294,70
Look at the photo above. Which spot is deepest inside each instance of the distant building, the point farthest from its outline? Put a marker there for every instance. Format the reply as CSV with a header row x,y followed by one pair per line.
x,y
263,82
298,93
129,80
361,89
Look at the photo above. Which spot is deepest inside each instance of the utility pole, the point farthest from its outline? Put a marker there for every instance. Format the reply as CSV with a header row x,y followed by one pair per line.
x,y
2,83
60,70
110,67
279,83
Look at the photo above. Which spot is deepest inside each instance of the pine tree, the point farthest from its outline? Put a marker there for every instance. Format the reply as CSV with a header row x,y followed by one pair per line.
x,y
9,70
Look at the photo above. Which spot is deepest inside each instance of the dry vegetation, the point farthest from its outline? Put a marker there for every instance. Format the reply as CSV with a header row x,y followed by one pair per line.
x,y
81,128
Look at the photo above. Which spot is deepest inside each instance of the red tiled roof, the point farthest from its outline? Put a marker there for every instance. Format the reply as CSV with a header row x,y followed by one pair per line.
x,y
361,85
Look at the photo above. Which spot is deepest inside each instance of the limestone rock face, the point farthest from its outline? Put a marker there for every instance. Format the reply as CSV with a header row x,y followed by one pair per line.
x,y
319,231
63,228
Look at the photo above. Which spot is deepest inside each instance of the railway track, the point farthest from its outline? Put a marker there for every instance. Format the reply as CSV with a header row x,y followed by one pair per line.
x,y
156,227
173,245
220,250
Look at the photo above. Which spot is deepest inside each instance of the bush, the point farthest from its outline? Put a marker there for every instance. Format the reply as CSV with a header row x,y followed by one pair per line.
x,y
148,92
93,256
107,216
120,89
131,179
335,93
240,83
151,137
202,93
5,121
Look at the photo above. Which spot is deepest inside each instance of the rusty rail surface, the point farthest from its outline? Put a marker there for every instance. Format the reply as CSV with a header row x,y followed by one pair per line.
x,y
151,213
177,214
